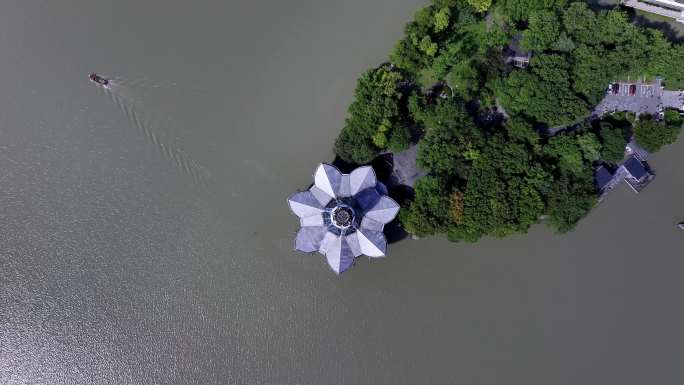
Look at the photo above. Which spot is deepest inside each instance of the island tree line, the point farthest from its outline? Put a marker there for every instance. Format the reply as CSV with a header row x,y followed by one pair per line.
x,y
488,176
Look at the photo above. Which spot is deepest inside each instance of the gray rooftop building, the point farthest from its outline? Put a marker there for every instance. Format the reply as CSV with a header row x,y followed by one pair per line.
x,y
343,215
634,171
602,177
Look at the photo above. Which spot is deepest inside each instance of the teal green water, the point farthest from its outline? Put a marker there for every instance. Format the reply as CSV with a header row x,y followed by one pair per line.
x,y
145,237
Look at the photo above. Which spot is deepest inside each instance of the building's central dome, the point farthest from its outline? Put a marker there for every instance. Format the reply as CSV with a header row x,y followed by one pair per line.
x,y
343,215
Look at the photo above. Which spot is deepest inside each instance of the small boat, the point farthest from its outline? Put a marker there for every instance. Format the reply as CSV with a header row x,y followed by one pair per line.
x,y
95,78
681,225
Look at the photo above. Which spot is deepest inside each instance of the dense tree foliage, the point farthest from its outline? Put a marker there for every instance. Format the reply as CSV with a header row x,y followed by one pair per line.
x,y
570,199
542,31
593,49
652,135
543,94
489,176
480,5
373,116
520,10
429,213
452,140
614,141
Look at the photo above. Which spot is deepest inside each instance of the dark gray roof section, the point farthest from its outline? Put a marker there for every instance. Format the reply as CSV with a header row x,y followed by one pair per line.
x,y
603,177
635,168
366,199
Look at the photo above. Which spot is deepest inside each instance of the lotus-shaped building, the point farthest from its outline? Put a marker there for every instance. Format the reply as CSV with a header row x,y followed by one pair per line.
x,y
343,215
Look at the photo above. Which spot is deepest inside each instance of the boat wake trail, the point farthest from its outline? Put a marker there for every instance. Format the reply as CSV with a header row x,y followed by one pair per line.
x,y
124,98
141,82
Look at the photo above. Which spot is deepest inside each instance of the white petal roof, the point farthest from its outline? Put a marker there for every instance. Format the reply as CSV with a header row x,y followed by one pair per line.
x,y
304,204
309,238
314,220
321,196
371,224
373,243
359,193
361,179
328,178
383,211
339,254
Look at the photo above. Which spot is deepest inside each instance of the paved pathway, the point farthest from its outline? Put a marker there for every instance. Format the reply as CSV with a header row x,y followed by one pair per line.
x,y
406,171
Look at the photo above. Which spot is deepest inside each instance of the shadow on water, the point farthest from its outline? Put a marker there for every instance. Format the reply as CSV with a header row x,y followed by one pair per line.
x,y
122,93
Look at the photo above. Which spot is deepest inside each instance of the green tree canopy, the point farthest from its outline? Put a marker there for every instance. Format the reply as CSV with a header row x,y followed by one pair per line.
x,y
580,23
614,142
494,176
372,116
429,212
520,130
502,195
526,94
653,135
480,5
451,141
541,32
442,19
573,153
519,10
571,198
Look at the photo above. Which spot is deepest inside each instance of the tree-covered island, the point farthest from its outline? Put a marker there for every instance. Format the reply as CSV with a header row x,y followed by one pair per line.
x,y
505,143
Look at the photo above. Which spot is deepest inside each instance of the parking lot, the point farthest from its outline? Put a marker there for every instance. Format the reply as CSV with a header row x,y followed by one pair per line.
x,y
636,97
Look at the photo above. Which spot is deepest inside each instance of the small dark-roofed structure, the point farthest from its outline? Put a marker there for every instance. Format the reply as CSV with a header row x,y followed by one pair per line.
x,y
515,54
603,177
635,168
606,179
637,174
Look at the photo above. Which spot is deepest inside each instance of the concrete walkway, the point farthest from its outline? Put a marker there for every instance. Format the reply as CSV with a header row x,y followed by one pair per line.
x,y
406,171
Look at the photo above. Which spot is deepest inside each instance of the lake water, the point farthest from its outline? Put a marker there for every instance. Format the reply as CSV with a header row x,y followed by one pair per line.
x,y
145,236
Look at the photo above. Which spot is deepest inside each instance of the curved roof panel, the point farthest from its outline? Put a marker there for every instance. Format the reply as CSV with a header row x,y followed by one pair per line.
x,y
328,178
384,210
304,204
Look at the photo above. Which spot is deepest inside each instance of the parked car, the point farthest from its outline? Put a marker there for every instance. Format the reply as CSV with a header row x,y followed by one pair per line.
x,y
632,89
616,88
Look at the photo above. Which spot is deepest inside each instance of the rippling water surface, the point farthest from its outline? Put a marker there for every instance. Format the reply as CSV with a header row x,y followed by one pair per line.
x,y
145,239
